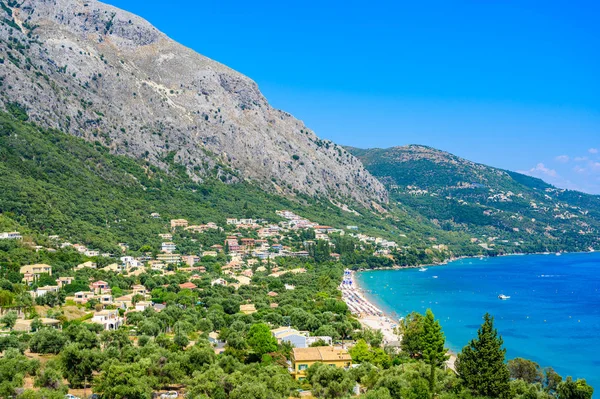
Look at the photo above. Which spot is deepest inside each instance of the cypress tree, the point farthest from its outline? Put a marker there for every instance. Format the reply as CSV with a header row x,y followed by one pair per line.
x,y
481,365
434,353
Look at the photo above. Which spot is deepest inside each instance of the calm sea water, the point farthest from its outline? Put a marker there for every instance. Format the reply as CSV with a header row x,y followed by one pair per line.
x,y
552,317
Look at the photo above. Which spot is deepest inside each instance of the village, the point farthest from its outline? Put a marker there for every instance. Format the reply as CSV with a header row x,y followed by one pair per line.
x,y
250,246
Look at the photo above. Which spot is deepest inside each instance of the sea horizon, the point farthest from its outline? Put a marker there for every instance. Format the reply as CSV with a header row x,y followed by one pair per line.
x,y
552,316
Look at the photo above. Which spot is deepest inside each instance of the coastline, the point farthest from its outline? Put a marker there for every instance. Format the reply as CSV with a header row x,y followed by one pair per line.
x,y
366,312
378,301
454,259
353,294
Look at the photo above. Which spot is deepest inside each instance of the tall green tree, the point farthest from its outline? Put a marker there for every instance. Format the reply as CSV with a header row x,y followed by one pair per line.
x,y
569,389
551,380
481,365
525,370
434,353
412,331
261,340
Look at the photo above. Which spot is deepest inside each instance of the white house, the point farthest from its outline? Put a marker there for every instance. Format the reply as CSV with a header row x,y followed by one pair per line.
x,y
219,281
168,247
13,235
109,319
41,291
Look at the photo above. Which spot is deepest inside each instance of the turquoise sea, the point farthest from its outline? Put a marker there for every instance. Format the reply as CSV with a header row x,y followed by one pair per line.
x,y
552,316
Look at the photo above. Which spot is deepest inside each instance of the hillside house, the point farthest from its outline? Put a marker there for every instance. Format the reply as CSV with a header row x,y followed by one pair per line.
x,y
248,308
109,319
82,297
303,358
190,260
178,223
88,265
168,247
41,291
188,286
33,272
105,299
232,244
99,286
169,259
13,235
139,289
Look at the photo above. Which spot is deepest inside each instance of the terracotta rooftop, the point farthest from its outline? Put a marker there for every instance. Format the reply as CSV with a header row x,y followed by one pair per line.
x,y
188,285
321,354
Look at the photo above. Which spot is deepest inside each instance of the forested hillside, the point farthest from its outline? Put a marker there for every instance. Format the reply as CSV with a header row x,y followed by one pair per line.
x,y
497,207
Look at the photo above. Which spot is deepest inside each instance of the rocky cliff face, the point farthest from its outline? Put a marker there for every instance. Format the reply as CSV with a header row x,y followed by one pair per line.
x,y
107,75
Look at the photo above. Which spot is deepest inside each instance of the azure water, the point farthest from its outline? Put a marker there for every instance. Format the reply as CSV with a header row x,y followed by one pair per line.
x,y
552,316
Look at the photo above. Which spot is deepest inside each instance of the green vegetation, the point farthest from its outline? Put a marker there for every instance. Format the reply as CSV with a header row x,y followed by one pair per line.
x,y
504,211
481,365
53,183
200,342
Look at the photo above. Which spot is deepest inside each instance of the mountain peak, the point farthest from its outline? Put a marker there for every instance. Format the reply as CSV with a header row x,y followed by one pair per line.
x,y
108,76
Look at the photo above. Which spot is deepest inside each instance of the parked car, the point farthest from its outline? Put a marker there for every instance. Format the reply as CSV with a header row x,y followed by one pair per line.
x,y
169,395
69,396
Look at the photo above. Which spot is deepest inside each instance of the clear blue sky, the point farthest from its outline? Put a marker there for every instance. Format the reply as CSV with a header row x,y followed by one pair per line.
x,y
513,84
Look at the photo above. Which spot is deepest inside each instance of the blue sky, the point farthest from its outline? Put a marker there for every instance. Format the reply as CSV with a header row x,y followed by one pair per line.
x,y
513,84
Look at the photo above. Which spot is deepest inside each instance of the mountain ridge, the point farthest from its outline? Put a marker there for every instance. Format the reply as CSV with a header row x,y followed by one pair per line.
x,y
106,75
460,195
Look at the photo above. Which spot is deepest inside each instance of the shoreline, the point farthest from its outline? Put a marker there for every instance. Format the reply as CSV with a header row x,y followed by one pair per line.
x,y
373,317
365,311
454,259
450,363
387,325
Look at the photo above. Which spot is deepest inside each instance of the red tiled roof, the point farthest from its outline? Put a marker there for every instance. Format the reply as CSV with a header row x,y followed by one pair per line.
x,y
188,285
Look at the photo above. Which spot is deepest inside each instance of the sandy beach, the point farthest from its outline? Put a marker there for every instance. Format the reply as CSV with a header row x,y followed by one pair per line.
x,y
371,316
367,313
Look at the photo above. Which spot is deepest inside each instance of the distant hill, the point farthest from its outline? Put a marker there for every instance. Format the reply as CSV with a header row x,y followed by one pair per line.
x,y
460,195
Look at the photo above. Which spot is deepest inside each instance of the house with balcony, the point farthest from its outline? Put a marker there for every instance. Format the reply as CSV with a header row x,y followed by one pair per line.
x,y
82,297
139,289
99,286
12,235
168,247
62,281
33,272
105,299
41,291
169,259
109,319
178,223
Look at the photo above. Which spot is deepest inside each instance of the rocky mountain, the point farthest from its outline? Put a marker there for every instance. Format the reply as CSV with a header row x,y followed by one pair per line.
x,y
106,75
490,204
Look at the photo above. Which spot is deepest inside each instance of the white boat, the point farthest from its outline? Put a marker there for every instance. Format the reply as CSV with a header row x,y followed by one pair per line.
x,y
422,269
503,297
435,277
558,254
